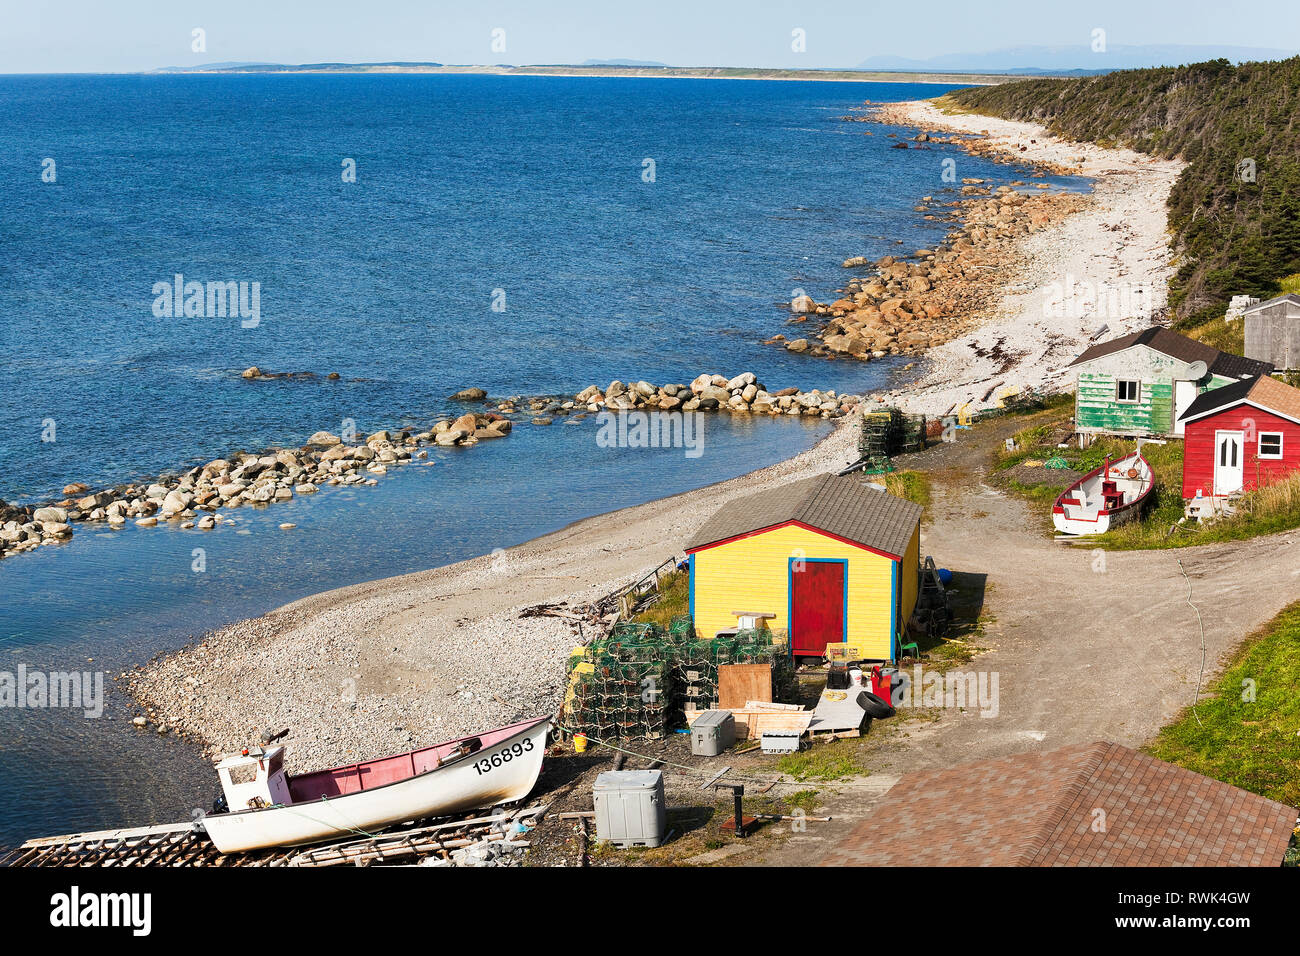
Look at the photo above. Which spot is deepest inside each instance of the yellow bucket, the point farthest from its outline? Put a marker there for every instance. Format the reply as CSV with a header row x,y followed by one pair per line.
x,y
579,743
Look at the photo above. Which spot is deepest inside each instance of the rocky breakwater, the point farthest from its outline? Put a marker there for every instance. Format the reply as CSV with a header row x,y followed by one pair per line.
x,y
199,497
203,496
913,304
742,394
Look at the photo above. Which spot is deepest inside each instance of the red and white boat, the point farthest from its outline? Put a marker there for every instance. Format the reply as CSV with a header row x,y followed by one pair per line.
x,y
269,807
1105,497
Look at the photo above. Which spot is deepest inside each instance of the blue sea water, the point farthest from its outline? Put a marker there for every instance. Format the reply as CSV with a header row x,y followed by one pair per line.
x,y
528,191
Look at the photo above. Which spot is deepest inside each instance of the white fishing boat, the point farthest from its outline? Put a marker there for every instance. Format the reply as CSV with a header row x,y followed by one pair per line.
x,y
1105,497
269,807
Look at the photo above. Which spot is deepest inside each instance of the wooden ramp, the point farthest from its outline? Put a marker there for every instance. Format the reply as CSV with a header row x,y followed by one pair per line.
x,y
182,845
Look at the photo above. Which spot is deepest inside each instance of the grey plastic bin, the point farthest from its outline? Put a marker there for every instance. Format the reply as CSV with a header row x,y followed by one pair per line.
x,y
712,733
630,808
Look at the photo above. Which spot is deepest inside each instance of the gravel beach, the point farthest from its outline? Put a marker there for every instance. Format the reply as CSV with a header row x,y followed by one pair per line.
x,y
383,666
1106,265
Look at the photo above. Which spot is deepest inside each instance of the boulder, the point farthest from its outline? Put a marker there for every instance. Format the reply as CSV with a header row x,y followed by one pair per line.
x,y
469,395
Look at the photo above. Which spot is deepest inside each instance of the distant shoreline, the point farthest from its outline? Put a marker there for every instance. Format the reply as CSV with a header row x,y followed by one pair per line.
x,y
642,72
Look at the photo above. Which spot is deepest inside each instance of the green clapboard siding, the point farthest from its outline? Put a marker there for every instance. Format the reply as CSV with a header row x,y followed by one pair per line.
x,y
1096,406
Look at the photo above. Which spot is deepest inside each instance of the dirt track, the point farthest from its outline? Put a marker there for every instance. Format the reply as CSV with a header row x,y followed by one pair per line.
x,y
1088,645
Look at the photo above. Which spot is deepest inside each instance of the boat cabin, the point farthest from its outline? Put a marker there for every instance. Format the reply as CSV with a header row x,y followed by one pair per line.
x,y
253,779
1140,384
830,560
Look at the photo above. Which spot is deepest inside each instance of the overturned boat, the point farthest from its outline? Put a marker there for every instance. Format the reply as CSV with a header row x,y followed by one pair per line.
x,y
1105,497
269,807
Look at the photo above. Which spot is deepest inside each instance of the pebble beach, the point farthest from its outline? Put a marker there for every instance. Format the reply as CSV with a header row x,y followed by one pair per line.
x,y
386,665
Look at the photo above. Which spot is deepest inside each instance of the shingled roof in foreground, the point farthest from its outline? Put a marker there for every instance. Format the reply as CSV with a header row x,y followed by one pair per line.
x,y
1096,804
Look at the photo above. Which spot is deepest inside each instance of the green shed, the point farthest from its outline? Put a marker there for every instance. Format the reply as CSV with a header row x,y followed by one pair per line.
x,y
1141,383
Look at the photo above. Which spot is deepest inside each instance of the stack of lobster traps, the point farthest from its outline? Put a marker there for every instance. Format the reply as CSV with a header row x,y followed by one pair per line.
x,y
640,681
886,432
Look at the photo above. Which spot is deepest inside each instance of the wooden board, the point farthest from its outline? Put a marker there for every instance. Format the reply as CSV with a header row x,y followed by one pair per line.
x,y
738,683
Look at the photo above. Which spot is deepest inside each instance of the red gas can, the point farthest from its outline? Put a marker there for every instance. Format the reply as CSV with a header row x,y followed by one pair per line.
x,y
880,683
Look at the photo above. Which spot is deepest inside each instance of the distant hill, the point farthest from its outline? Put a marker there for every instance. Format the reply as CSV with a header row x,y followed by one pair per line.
x,y
622,63
296,67
226,65
1077,58
1233,212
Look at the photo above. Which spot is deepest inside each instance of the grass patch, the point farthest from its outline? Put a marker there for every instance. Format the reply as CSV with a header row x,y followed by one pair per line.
x,y
1221,334
805,800
674,599
911,485
1035,443
833,760
1252,744
1265,511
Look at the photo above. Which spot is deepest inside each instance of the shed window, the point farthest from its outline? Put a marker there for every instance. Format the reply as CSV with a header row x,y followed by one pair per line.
x,y
1270,444
1128,390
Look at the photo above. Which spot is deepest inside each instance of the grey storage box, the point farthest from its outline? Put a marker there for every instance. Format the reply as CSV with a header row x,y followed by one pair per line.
x,y
712,733
630,808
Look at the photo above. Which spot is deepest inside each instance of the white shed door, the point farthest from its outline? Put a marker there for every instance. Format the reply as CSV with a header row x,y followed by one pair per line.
x,y
1228,453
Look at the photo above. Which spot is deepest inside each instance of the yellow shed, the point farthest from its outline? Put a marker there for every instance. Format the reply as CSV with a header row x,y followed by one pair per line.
x,y
830,559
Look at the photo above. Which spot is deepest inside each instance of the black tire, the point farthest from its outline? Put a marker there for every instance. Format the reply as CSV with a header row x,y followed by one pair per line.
x,y
875,706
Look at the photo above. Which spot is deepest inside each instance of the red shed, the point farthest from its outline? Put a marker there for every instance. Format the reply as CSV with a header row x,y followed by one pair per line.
x,y
1241,437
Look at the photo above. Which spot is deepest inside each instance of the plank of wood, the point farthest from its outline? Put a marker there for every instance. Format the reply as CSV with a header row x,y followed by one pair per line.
x,y
738,683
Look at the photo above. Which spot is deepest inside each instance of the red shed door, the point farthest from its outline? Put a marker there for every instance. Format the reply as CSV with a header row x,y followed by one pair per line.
x,y
817,606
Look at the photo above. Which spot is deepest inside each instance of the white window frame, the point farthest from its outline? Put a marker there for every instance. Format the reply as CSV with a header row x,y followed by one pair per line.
x,y
1138,390
1259,448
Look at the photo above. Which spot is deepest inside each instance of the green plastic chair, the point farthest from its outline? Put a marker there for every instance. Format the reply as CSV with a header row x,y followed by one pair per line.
x,y
903,646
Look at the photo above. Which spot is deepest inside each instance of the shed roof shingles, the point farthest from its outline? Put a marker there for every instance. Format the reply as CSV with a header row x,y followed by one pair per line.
x,y
1182,348
1040,809
844,507
1264,391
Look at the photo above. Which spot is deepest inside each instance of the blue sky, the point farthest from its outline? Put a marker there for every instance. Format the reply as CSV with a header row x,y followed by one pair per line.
x,y
113,35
